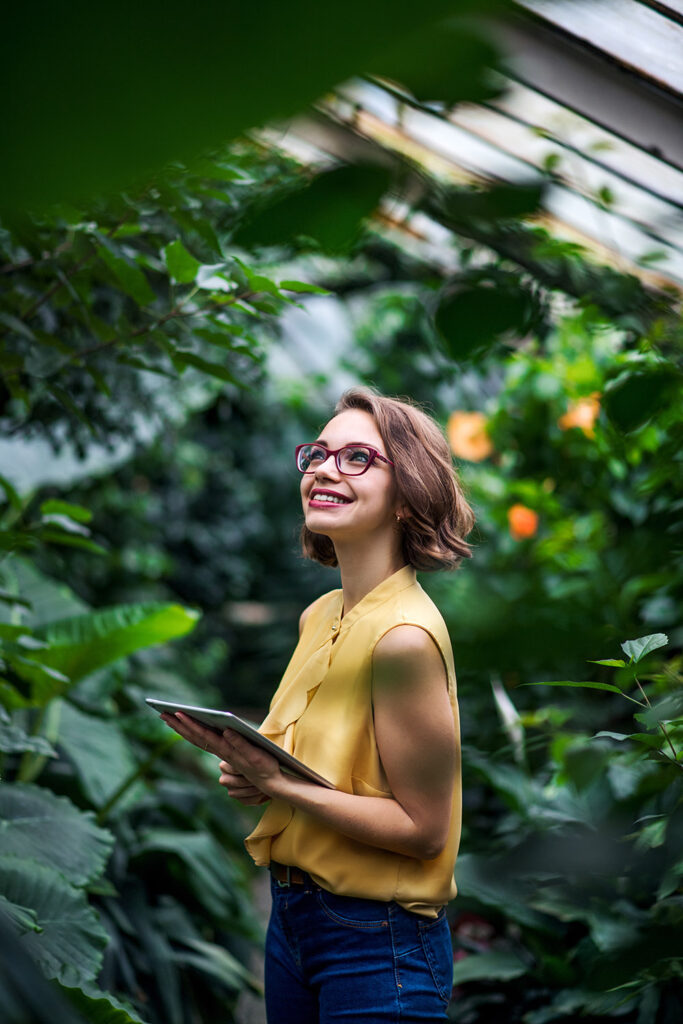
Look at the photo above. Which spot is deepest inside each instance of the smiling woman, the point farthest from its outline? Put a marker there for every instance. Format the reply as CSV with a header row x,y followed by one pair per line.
x,y
361,873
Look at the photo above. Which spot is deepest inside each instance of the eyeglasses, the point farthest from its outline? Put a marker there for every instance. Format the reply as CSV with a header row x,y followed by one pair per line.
x,y
351,460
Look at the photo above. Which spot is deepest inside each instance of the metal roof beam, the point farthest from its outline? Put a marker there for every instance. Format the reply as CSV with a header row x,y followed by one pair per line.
x,y
558,65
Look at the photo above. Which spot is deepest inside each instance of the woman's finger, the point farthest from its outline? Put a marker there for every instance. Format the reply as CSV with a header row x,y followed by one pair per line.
x,y
201,736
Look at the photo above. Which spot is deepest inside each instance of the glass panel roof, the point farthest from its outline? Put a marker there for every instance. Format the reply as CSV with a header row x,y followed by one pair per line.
x,y
616,195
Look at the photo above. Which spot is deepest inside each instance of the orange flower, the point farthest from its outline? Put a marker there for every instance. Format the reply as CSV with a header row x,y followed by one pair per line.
x,y
523,522
582,413
467,436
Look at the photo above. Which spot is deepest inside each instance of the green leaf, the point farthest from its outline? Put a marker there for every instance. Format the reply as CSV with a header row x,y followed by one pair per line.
x,y
84,643
302,287
66,524
12,494
15,740
458,68
583,685
329,210
71,942
71,406
211,277
100,1007
462,206
101,754
210,873
637,649
480,878
181,265
54,507
71,540
633,399
129,276
140,364
475,317
49,599
665,710
35,824
17,326
218,963
23,918
492,965
611,662
8,598
213,369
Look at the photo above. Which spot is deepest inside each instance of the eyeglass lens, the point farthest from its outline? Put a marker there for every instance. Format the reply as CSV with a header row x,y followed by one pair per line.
x,y
351,460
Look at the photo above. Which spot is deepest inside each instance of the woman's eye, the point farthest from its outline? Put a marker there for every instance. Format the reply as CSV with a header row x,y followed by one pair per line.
x,y
316,455
357,454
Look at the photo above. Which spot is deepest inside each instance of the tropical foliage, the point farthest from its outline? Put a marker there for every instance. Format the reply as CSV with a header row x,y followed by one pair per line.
x,y
141,331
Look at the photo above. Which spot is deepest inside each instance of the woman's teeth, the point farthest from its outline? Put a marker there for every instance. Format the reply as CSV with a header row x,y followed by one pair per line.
x,y
331,498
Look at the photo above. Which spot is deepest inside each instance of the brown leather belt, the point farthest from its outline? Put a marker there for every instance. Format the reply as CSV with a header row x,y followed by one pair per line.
x,y
286,875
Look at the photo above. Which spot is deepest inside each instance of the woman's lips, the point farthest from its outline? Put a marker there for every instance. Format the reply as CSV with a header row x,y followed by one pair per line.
x,y
323,503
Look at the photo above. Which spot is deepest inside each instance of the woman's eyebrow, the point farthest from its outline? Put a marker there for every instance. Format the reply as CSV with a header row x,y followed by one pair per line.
x,y
366,444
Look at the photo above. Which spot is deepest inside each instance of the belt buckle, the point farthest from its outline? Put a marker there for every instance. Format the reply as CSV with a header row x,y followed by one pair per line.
x,y
288,877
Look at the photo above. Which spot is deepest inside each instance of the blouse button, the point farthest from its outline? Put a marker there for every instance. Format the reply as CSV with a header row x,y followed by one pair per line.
x,y
335,626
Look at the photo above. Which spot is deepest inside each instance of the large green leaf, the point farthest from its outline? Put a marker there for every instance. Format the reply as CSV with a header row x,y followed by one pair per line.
x,y
490,966
14,740
71,943
27,997
48,598
276,58
634,398
473,318
36,824
209,871
100,1007
84,643
100,753
23,918
482,879
329,210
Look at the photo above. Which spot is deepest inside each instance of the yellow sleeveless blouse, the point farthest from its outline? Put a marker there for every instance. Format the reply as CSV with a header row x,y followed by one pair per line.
x,y
322,713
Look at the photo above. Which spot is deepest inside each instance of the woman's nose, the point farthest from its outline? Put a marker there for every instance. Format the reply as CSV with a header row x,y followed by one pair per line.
x,y
325,467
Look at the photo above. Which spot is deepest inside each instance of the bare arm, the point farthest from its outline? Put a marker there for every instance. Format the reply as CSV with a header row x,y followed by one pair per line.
x,y
416,741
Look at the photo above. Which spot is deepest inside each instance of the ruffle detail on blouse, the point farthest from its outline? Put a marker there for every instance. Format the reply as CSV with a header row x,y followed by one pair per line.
x,y
279,725
289,705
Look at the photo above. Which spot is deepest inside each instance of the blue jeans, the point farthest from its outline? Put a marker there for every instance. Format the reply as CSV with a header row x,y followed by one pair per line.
x,y
340,958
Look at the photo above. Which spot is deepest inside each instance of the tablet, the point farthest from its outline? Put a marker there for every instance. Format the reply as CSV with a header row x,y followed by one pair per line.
x,y
220,720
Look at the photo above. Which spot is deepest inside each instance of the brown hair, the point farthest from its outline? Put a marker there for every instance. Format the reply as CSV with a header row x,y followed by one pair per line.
x,y
439,517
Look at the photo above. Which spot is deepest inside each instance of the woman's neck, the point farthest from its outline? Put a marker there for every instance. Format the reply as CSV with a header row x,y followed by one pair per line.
x,y
362,570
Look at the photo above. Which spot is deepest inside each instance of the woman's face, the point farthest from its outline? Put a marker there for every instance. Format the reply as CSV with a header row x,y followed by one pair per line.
x,y
370,500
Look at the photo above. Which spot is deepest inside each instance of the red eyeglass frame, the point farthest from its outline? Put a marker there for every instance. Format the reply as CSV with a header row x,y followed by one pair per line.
x,y
374,454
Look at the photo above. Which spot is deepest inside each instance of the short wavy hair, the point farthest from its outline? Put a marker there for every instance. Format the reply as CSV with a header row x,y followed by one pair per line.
x,y
439,518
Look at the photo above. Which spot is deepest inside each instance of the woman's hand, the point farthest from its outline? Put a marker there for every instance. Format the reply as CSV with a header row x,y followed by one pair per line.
x,y
246,761
238,787
239,784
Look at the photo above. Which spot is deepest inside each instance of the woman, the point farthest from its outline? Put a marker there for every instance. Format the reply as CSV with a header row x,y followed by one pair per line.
x,y
361,873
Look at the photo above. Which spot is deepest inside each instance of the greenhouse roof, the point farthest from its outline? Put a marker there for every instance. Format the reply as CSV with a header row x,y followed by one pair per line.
x,y
591,103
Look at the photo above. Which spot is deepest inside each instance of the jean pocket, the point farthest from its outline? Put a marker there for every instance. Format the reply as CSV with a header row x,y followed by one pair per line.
x,y
353,911
438,949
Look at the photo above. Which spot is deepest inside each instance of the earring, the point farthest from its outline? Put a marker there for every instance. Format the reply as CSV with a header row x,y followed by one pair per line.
x,y
398,518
